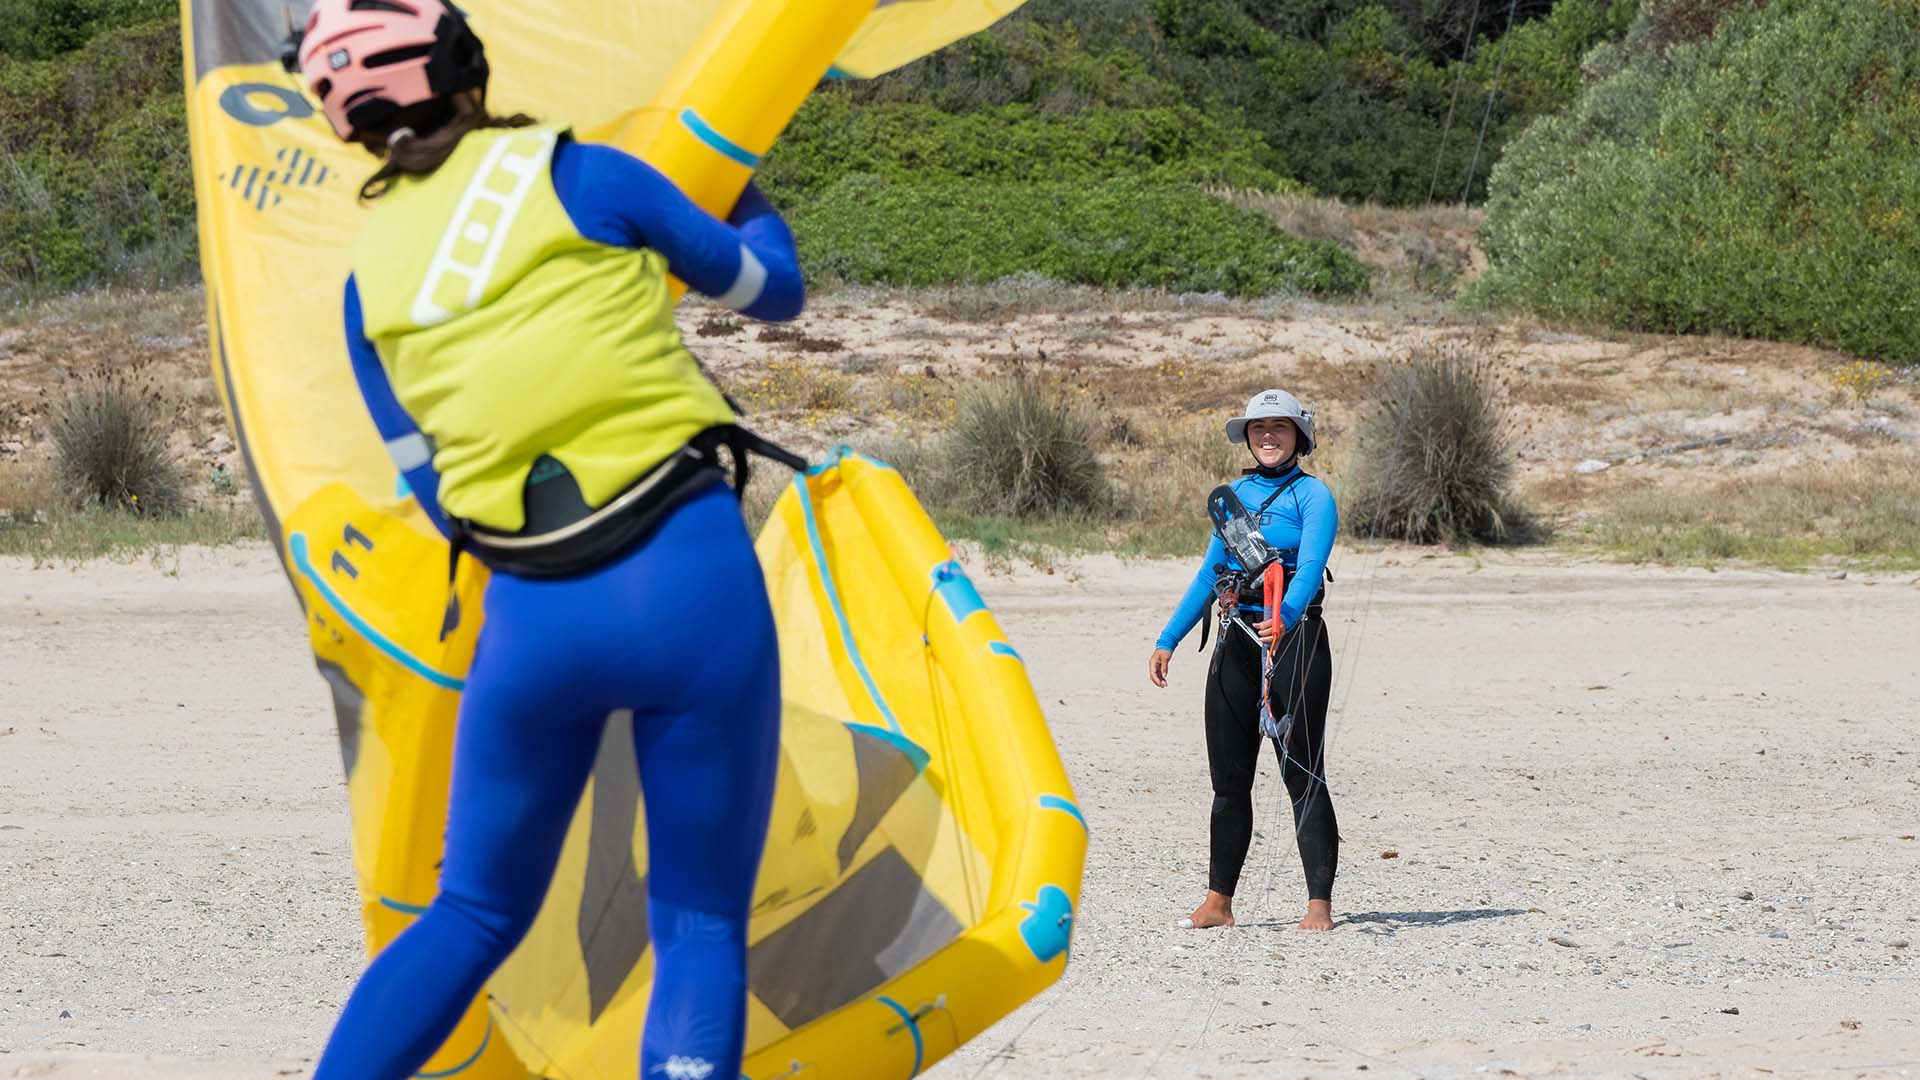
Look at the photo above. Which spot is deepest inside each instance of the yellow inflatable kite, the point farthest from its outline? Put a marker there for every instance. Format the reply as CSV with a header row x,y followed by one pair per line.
x,y
925,852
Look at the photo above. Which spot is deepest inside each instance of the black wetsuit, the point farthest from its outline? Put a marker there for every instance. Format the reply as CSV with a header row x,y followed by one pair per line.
x,y
1302,684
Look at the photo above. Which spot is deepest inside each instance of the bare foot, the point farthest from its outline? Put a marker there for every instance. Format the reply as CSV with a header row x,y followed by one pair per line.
x,y
1319,916
1215,910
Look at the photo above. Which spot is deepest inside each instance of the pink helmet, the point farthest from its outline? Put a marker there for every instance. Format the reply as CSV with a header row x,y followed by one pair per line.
x,y
366,60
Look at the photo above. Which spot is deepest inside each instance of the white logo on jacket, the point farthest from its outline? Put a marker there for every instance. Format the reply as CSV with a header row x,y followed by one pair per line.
x,y
685,1068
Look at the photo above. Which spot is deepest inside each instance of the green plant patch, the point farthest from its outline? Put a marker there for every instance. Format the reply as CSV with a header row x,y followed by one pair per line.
x,y
1114,234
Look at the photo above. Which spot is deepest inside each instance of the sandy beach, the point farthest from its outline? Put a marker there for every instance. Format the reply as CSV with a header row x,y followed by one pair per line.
x,y
1644,822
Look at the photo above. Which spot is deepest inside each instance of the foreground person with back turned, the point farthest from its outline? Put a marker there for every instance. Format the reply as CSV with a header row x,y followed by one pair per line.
x,y
510,326
1276,687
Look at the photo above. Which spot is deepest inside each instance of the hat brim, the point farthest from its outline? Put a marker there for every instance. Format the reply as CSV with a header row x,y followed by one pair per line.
x,y
1237,432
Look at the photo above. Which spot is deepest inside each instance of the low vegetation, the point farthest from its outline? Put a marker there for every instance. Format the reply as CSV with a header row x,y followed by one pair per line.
x,y
41,521
1862,513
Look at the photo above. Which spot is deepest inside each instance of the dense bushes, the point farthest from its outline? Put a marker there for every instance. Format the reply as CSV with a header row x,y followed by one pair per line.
x,y
95,180
832,138
1124,232
1763,182
42,29
1355,98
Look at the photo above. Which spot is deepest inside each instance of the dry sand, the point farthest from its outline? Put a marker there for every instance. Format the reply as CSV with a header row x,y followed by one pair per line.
x,y
1626,802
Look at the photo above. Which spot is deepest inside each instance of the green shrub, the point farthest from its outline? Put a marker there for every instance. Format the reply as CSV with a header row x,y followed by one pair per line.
x,y
1365,105
833,137
1764,182
1432,460
109,431
39,29
95,179
1114,234
1361,99
1020,447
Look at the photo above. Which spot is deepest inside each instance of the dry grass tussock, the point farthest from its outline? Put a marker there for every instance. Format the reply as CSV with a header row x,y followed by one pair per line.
x,y
111,431
1435,461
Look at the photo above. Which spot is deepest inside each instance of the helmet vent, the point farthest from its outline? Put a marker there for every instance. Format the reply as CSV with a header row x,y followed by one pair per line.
x,y
397,56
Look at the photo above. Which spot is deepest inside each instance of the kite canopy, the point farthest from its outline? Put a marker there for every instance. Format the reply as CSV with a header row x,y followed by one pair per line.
x,y
925,851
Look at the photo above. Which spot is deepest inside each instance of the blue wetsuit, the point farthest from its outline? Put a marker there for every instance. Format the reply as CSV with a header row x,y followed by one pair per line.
x,y
556,656
1299,519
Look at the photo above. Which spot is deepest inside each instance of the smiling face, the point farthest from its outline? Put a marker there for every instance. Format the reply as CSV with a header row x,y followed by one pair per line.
x,y
1272,439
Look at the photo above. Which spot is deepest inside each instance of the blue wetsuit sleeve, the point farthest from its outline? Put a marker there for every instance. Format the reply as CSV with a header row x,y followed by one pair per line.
x,y
405,444
1193,604
746,263
1319,521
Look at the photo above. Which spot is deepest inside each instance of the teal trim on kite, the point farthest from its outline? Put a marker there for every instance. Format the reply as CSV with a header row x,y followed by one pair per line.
x,y
838,72
953,585
839,612
297,547
1001,648
401,907
1049,926
899,742
1055,802
913,1027
467,1064
842,453
717,142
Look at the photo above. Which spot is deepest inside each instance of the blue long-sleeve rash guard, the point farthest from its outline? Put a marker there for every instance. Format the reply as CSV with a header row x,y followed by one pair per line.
x,y
746,262
1303,520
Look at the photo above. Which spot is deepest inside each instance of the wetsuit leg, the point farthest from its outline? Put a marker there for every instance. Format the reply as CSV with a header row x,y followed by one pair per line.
x,y
679,631
521,756
707,769
1302,686
1233,749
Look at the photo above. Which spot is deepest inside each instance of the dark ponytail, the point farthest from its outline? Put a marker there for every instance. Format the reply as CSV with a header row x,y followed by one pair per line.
x,y
429,133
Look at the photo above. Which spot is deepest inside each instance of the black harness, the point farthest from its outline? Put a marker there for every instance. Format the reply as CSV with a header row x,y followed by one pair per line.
x,y
563,535
1249,592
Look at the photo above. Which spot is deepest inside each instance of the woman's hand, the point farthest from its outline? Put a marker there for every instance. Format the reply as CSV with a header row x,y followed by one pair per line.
x,y
1265,629
1157,667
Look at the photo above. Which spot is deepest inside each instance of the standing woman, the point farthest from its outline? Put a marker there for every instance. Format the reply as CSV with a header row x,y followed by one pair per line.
x,y
510,327
1296,514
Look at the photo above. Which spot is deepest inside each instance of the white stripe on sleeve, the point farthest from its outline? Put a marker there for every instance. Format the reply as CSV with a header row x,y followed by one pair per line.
x,y
747,285
409,451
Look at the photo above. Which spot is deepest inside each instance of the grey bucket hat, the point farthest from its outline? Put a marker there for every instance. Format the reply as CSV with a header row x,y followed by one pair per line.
x,y
1274,403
